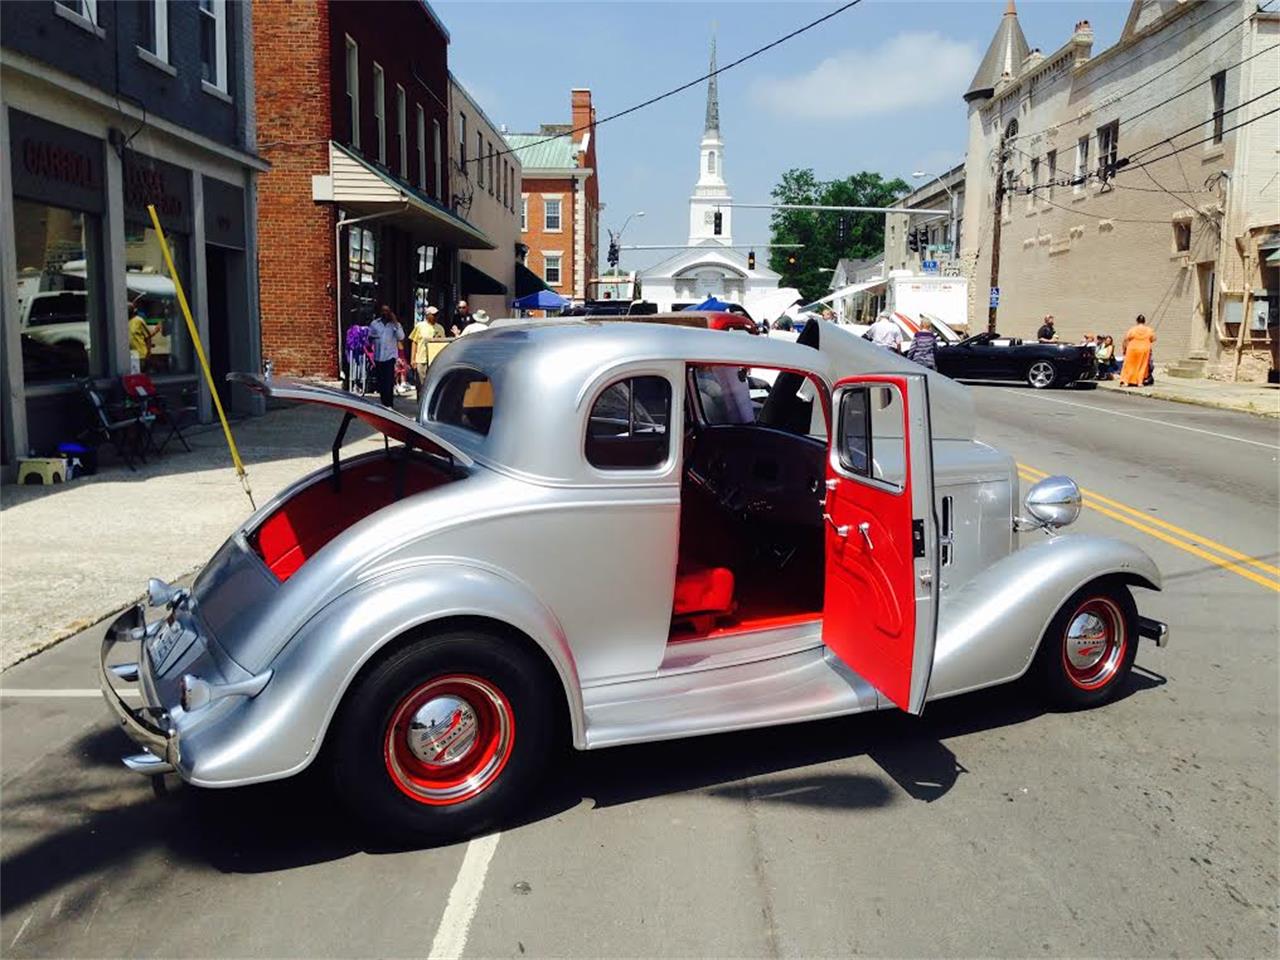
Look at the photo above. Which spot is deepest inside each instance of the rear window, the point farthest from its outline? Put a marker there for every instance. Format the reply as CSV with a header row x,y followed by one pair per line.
x,y
627,429
463,398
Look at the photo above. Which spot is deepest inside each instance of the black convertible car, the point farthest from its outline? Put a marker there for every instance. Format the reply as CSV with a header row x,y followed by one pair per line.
x,y
989,356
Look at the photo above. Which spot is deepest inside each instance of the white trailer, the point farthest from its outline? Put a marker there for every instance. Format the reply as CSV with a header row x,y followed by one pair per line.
x,y
935,297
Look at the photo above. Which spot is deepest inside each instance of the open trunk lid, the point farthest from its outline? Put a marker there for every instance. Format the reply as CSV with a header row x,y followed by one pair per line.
x,y
383,419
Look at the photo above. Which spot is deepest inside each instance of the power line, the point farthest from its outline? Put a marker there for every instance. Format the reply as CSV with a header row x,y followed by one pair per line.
x,y
1213,136
680,89
1196,126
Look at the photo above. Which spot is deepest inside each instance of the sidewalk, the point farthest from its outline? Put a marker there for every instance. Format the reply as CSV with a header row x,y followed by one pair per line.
x,y
71,554
1220,394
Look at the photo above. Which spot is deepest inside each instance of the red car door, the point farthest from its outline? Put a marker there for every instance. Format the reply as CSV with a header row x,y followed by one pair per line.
x,y
880,613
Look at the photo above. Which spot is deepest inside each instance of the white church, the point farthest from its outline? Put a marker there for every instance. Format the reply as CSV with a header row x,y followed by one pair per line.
x,y
711,266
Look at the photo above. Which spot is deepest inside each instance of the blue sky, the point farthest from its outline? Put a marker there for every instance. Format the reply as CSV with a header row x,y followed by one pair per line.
x,y
877,88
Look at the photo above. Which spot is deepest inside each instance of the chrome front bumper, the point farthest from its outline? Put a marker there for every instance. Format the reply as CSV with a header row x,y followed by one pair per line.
x,y
1154,630
149,726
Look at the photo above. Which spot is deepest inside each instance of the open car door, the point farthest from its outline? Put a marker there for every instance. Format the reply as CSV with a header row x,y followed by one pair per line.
x,y
880,612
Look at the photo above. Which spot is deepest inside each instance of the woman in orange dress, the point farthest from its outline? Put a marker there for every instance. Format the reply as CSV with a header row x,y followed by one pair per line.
x,y
1137,354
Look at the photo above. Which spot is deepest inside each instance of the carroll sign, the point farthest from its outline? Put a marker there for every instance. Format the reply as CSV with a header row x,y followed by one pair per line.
x,y
54,164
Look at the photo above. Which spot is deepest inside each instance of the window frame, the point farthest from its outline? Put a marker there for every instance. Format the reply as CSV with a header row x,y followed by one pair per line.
x,y
1186,224
846,468
462,141
479,158
402,131
380,109
558,257
86,17
660,466
1051,161
420,115
352,65
437,395
1034,193
1218,104
437,146
546,214
1108,148
1082,165
524,213
217,9
159,21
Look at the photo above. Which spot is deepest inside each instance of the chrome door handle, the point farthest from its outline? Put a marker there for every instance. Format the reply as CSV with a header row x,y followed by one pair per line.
x,y
864,528
841,531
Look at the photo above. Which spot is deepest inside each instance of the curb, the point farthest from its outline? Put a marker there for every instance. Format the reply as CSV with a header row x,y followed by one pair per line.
x,y
1235,406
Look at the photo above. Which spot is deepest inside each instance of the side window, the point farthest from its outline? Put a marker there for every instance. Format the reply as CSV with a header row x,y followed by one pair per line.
x,y
629,425
872,442
463,398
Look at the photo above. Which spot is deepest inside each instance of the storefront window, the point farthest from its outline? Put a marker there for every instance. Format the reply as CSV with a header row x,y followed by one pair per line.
x,y
362,276
59,292
155,328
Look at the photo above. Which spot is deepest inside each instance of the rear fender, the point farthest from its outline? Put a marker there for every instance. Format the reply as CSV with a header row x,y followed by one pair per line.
x,y
279,732
989,629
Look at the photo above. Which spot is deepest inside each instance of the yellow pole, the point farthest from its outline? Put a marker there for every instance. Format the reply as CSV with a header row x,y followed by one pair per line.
x,y
204,361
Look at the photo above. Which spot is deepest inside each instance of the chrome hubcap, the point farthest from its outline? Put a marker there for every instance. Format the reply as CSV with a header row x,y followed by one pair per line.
x,y
1041,374
442,730
1095,643
1086,641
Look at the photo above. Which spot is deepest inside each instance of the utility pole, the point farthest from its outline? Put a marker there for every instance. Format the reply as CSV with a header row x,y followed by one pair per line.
x,y
995,238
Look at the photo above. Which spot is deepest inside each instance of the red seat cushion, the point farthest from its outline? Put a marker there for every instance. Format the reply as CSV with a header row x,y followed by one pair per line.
x,y
703,590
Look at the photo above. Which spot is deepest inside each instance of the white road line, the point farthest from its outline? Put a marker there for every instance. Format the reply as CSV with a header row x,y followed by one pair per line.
x,y
12,693
21,930
1163,423
464,899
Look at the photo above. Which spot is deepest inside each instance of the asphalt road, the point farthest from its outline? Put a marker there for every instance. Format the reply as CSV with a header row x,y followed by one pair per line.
x,y
990,827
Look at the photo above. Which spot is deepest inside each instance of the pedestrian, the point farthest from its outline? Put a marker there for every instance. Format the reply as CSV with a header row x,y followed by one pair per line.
x,y
923,345
428,328
461,319
885,333
1136,346
828,315
385,332
1046,333
1106,352
141,338
479,323
1089,340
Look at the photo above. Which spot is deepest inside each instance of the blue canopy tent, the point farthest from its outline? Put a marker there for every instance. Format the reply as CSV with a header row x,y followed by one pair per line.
x,y
711,303
542,300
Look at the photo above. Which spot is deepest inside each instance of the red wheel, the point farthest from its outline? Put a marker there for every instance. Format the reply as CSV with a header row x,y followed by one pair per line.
x,y
1094,643
1089,647
446,736
449,739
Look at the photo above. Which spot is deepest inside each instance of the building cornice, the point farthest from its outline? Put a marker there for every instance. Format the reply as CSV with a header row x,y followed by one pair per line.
x,y
549,173
34,69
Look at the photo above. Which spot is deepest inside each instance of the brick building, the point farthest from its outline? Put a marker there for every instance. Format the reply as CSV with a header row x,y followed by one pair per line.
x,y
106,107
560,199
1136,179
358,209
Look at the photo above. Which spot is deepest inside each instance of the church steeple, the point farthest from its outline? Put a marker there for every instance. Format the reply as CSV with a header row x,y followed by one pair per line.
x,y
712,126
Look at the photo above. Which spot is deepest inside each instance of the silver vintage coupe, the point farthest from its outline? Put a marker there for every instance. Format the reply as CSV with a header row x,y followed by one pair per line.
x,y
613,533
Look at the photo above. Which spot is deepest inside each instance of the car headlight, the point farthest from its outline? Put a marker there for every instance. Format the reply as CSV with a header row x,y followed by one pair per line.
x,y
1054,502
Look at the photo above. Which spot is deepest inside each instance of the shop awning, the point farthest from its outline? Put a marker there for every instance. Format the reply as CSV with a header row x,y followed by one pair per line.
x,y
528,282
475,282
362,189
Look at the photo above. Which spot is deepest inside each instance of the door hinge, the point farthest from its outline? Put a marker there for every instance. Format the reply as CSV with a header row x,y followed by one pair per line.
x,y
917,538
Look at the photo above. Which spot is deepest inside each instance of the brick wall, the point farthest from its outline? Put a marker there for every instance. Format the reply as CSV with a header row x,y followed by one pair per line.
x,y
295,234
536,236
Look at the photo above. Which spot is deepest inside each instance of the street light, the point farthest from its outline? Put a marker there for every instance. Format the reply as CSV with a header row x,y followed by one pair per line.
x,y
951,207
615,238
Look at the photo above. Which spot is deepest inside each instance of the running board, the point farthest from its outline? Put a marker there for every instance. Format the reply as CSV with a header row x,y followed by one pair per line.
x,y
806,685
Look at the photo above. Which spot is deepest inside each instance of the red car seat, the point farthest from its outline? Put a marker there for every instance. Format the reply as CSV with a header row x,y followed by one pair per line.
x,y
702,594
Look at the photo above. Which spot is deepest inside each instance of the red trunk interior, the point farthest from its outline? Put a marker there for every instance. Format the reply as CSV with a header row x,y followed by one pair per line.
x,y
310,519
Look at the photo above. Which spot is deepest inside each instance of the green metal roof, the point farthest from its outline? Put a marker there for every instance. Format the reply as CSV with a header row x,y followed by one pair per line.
x,y
537,152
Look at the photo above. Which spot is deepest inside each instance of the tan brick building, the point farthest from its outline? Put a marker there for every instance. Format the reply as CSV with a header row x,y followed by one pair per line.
x,y
560,199
1181,233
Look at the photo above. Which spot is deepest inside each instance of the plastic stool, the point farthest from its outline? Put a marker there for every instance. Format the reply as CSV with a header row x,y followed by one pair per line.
x,y
44,470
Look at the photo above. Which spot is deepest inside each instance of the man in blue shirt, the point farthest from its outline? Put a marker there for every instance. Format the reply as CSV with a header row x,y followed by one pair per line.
x,y
386,333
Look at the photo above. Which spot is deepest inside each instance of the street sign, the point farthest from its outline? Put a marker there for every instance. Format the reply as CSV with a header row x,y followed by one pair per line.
x,y
929,266
995,297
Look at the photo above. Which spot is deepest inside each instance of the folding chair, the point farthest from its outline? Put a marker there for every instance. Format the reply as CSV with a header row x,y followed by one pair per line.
x,y
140,389
107,425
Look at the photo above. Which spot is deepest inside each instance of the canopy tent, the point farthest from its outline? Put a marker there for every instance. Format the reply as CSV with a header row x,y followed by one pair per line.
x,y
711,303
528,282
475,282
541,300
845,292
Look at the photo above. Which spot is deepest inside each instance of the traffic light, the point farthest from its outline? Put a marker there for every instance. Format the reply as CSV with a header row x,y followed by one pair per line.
x,y
751,259
842,230
613,253
913,240
791,259
717,222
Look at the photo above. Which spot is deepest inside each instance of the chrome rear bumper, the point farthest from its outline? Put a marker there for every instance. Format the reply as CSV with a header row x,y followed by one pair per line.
x,y
1154,630
148,726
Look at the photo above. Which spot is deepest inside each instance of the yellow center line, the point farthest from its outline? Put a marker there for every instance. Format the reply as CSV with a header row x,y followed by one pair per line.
x,y
1190,548
1156,521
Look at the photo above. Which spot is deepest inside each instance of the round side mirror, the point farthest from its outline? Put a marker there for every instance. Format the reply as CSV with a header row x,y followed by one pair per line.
x,y
1054,501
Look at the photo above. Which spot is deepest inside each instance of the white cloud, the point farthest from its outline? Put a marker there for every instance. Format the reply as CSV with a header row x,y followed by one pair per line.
x,y
908,70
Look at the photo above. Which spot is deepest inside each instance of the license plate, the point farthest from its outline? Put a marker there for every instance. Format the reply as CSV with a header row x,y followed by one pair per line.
x,y
164,644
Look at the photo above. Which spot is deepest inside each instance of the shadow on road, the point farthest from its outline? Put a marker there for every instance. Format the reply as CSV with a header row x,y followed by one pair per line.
x,y
94,820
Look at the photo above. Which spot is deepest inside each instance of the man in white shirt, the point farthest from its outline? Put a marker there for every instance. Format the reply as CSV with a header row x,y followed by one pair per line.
x,y
386,333
885,333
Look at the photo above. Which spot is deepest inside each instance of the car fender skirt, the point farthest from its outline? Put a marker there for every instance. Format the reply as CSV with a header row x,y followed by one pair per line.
x,y
279,732
989,629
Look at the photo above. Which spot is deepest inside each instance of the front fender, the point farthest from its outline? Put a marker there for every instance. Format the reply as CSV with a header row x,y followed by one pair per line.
x,y
278,733
989,629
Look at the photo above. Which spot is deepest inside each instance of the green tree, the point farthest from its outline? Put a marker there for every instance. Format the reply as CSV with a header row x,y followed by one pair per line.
x,y
819,230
